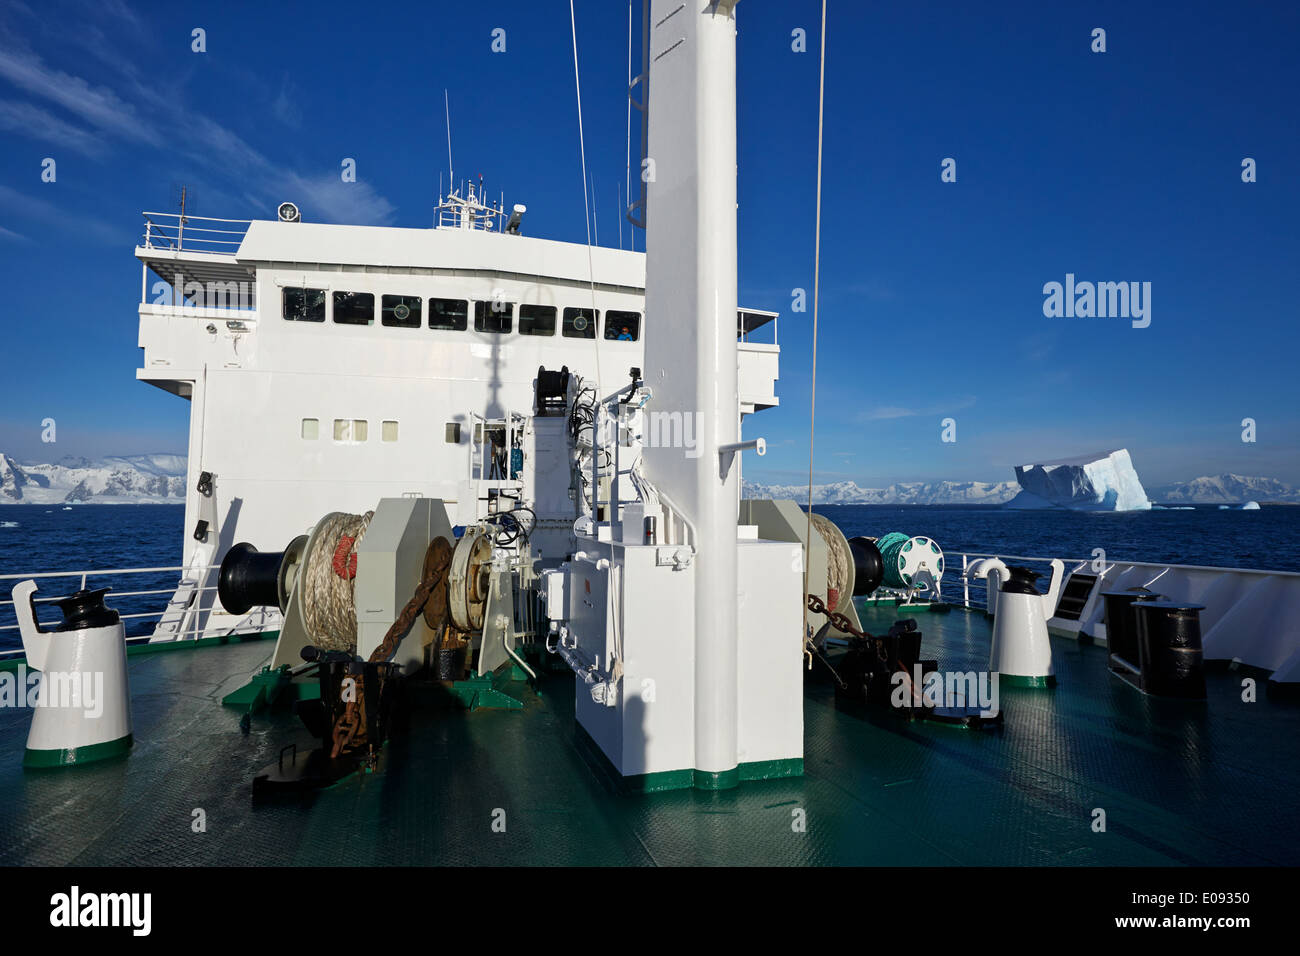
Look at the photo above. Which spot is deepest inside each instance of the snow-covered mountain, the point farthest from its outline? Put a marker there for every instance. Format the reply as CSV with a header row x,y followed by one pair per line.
x,y
1220,489
137,479
900,493
1225,489
160,479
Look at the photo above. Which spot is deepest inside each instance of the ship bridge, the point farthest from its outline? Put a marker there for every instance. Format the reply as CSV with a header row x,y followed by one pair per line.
x,y
201,278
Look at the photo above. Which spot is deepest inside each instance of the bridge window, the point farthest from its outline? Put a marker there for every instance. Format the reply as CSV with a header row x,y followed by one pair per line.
x,y
493,316
622,326
311,428
304,305
537,320
580,323
402,311
449,314
388,431
354,308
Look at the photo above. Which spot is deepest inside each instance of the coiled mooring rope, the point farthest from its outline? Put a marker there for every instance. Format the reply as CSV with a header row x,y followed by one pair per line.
x,y
329,581
839,562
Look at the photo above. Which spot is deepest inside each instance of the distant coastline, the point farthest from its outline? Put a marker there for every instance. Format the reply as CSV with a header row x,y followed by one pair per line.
x,y
160,479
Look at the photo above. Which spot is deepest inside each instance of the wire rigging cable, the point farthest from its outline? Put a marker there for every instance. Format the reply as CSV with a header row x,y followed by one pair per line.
x,y
817,270
586,203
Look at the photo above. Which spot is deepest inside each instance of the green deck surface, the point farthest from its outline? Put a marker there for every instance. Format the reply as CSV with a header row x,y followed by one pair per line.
x,y
1201,783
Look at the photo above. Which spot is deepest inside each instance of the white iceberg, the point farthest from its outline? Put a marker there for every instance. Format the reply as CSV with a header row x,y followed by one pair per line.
x,y
1104,482
1250,506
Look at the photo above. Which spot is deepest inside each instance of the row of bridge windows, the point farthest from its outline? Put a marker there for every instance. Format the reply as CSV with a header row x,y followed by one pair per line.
x,y
411,312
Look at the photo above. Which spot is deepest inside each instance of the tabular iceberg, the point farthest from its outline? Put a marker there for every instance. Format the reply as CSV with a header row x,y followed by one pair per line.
x,y
1105,482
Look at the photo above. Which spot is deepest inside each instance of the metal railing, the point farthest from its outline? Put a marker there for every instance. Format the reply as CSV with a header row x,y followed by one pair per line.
x,y
177,233
126,602
956,587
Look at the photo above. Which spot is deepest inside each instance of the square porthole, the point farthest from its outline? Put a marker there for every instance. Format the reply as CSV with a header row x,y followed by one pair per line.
x,y
310,429
388,431
350,430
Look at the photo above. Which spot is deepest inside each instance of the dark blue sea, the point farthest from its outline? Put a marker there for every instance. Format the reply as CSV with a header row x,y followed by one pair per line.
x,y
47,538
1268,538
90,537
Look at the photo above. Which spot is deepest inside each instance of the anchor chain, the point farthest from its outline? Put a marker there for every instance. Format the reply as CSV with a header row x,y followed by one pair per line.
x,y
437,561
817,606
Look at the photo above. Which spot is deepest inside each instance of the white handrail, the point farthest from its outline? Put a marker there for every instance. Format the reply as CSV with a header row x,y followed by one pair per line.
x,y
169,231
1115,562
101,572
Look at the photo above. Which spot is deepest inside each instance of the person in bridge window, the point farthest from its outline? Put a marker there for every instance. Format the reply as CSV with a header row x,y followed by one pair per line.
x,y
625,334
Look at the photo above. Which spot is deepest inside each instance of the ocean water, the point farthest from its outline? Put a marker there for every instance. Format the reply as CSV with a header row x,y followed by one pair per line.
x,y
48,538
35,538
1268,538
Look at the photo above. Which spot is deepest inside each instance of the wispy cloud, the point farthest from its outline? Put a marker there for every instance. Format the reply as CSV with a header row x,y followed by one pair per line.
x,y
96,105
96,115
27,119
337,201
11,236
285,104
883,412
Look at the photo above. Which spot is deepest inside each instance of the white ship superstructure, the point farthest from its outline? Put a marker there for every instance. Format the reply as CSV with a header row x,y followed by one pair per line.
x,y
330,366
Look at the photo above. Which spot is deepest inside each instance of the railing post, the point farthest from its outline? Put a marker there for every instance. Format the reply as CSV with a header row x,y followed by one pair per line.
x,y
965,581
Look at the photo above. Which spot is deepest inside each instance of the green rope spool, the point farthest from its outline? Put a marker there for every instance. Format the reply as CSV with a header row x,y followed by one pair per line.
x,y
908,559
891,548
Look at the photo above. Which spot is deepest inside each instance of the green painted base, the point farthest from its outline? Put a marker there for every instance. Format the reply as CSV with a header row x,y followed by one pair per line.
x,y
720,780
666,780
1018,680
76,757
259,692
479,692
772,769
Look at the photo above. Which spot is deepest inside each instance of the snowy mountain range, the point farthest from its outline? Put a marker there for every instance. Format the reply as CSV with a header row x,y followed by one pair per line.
x,y
160,479
137,479
901,493
1218,489
1225,489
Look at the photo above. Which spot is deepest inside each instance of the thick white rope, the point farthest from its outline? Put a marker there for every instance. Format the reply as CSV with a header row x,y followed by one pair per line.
x,y
329,610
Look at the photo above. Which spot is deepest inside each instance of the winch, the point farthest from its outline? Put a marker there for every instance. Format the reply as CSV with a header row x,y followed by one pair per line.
x,y
369,600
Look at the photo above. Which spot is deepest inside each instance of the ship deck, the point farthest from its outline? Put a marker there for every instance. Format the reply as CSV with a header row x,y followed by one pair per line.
x,y
1181,783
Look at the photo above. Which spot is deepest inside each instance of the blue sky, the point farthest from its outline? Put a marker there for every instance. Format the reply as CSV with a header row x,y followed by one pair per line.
x,y
1118,166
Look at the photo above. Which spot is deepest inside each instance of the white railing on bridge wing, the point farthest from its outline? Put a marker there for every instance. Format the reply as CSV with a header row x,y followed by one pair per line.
x,y
176,233
125,602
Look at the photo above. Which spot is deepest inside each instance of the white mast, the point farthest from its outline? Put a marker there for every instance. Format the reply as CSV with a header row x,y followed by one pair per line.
x,y
690,350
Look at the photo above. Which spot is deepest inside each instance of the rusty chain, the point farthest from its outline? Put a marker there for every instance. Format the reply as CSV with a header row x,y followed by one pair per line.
x,y
842,623
437,561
